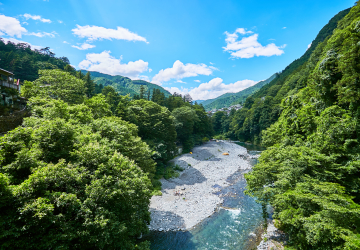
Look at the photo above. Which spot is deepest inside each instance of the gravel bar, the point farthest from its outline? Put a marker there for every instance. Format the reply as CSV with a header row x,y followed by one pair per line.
x,y
190,198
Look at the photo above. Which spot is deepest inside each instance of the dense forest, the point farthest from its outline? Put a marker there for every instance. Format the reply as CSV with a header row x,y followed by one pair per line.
x,y
25,62
124,85
310,173
80,172
263,107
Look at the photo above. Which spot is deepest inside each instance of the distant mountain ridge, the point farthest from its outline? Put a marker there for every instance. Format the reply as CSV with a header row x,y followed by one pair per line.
x,y
124,85
229,99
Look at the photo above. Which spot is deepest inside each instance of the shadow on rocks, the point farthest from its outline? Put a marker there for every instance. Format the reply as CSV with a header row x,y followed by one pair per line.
x,y
165,220
190,176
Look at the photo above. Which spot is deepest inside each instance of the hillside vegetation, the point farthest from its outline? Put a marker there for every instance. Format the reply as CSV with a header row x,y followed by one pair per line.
x,y
124,85
263,108
229,99
310,172
80,171
25,62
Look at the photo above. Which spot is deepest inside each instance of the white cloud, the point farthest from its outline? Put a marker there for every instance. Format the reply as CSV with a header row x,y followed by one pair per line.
x,y
36,17
150,70
98,33
180,70
59,21
284,28
11,26
145,78
107,64
42,34
309,46
249,47
25,23
84,46
197,81
66,42
13,40
213,88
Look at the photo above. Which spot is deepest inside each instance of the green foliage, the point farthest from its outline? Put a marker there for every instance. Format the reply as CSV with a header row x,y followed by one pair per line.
x,y
185,119
57,84
264,106
156,127
310,172
25,62
71,181
124,85
229,99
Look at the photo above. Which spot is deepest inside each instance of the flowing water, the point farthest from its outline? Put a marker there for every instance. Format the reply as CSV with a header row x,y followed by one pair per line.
x,y
235,225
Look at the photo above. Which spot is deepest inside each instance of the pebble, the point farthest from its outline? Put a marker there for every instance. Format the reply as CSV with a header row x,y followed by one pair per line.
x,y
208,169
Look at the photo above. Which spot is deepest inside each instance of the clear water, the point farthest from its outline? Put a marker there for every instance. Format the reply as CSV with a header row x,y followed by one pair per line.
x,y
233,226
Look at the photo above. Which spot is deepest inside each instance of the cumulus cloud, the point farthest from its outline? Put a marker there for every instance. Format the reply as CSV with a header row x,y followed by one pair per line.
x,y
213,88
42,34
98,33
11,26
13,40
59,21
180,70
107,64
36,17
249,46
84,46
284,28
66,42
308,47
197,81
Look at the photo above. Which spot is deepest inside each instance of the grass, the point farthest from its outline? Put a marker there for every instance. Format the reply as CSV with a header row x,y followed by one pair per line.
x,y
156,193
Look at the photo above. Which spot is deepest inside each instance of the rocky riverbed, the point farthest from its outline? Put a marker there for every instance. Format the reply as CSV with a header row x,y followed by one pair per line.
x,y
194,195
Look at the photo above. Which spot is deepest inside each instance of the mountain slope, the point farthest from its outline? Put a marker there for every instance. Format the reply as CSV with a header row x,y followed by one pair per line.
x,y
229,99
263,108
310,172
124,85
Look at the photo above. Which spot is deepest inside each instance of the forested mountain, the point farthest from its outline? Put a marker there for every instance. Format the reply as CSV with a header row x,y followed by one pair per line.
x,y
124,85
310,173
263,108
229,99
25,62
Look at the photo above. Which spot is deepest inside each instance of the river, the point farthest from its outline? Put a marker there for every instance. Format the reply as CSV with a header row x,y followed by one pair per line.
x,y
235,225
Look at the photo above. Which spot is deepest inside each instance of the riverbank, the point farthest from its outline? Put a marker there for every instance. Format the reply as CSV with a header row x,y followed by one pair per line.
x,y
194,195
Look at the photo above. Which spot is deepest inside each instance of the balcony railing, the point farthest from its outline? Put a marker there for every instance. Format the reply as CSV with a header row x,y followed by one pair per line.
x,y
9,85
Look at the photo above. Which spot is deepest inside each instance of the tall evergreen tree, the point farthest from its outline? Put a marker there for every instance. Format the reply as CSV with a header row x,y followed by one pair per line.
x,y
90,85
142,91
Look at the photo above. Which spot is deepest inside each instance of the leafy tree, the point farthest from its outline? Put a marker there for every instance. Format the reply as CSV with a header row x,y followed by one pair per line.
x,y
156,127
310,172
58,85
185,119
25,62
70,181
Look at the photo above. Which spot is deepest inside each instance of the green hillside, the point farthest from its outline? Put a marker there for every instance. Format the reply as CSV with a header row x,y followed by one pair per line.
x,y
263,108
124,85
310,171
229,99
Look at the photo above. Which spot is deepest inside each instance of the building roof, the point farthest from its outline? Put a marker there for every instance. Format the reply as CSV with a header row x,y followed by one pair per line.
x,y
5,72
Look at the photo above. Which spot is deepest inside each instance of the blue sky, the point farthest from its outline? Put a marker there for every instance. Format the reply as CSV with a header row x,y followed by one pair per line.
x,y
205,48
